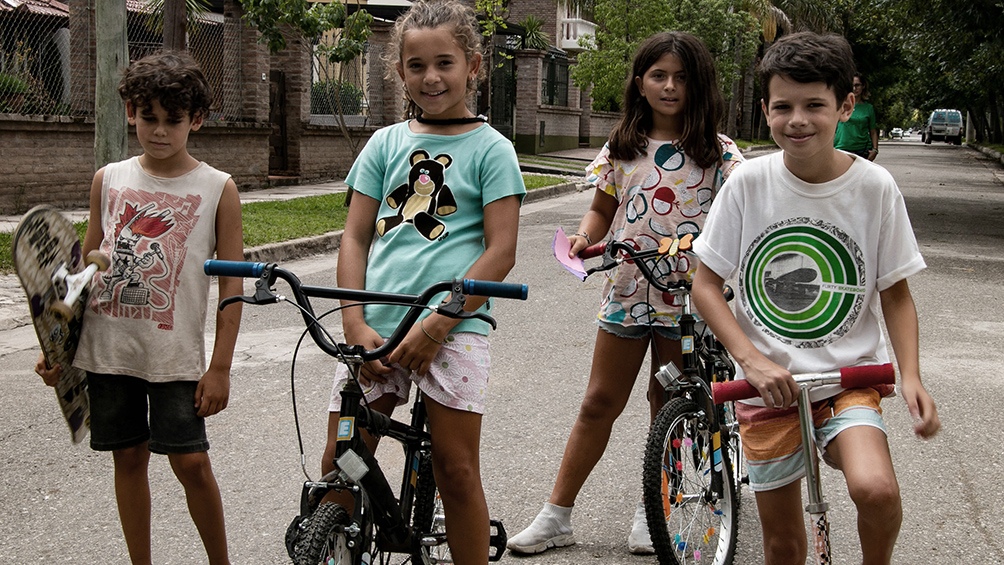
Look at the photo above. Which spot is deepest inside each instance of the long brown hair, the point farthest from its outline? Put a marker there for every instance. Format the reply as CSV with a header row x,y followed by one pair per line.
x,y
702,113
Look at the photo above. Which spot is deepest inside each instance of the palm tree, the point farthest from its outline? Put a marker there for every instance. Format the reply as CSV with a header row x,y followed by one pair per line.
x,y
776,18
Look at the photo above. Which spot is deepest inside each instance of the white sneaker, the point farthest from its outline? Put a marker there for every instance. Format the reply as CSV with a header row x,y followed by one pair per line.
x,y
551,528
639,542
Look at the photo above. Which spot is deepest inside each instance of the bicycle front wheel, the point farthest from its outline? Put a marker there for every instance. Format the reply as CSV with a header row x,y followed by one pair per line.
x,y
429,523
688,522
326,540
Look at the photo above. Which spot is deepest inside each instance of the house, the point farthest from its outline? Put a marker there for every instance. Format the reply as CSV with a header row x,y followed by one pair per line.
x,y
266,127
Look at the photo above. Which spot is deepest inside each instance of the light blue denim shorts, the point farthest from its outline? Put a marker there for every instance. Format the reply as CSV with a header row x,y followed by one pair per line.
x,y
639,332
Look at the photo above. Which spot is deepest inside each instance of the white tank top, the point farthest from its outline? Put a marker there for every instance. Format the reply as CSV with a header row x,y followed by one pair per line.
x,y
146,314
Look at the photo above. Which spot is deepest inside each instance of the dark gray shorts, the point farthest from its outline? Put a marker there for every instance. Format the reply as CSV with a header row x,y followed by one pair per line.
x,y
119,415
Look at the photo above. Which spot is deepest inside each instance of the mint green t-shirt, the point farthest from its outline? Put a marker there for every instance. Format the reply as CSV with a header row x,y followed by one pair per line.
x,y
430,226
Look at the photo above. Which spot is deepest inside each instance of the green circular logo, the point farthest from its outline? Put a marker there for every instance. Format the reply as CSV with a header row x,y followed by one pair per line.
x,y
803,281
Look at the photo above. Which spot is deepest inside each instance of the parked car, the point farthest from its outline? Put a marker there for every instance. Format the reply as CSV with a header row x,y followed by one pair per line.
x,y
896,133
943,125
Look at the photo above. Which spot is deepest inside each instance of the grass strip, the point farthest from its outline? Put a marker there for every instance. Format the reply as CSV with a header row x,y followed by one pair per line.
x,y
280,220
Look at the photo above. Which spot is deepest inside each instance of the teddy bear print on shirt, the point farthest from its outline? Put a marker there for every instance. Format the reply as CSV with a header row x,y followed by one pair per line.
x,y
422,198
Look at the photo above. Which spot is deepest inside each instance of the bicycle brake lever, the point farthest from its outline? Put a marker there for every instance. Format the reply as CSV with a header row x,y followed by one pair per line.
x,y
262,295
454,308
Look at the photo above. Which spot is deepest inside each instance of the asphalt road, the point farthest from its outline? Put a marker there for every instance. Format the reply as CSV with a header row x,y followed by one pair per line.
x,y
60,505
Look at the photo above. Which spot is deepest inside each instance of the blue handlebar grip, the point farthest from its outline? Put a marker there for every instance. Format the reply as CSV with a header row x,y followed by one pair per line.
x,y
491,288
246,269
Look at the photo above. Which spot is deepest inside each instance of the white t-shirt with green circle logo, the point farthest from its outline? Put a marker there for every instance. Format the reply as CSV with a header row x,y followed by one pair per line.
x,y
811,260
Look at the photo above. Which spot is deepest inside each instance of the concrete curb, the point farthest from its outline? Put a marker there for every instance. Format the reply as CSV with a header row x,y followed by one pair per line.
x,y
992,153
325,243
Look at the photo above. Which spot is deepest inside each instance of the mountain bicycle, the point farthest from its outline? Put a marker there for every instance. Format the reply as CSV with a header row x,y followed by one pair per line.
x,y
379,523
690,485
850,377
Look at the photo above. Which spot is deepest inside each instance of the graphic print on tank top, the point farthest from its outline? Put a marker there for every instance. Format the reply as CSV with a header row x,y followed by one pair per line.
x,y
148,253
802,282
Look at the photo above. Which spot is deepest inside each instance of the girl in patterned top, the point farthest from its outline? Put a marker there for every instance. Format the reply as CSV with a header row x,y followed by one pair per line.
x,y
656,177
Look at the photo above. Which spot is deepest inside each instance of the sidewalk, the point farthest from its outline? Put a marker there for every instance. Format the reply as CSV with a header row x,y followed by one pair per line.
x,y
14,310
574,156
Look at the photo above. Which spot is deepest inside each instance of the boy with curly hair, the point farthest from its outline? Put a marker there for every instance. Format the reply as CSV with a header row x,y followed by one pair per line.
x,y
159,216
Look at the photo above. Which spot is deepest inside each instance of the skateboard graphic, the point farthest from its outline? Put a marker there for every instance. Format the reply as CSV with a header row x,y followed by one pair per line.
x,y
48,261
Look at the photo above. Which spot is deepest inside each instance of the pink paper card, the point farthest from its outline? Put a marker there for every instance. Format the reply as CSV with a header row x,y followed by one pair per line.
x,y
561,247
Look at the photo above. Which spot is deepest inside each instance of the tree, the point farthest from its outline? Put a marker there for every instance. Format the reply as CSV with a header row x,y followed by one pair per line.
x,y
337,36
623,24
953,51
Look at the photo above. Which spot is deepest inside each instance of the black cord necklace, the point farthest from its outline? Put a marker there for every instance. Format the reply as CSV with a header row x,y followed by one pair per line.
x,y
450,121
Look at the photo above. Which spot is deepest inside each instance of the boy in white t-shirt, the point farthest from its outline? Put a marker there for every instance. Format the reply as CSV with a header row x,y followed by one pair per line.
x,y
822,245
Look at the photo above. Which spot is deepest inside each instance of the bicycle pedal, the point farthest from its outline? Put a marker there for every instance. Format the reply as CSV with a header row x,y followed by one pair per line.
x,y
497,540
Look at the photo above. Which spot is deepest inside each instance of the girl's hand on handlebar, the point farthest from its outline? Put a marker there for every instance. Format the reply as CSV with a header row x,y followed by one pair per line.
x,y
922,409
419,347
577,243
362,334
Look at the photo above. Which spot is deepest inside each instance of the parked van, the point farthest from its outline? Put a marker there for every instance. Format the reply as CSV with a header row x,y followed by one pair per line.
x,y
943,125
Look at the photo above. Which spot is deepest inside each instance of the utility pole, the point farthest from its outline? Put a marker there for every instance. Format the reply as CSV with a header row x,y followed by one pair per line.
x,y
112,54
175,27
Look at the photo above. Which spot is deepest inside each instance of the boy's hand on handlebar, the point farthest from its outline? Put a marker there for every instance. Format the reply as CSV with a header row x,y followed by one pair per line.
x,y
774,383
50,376
926,422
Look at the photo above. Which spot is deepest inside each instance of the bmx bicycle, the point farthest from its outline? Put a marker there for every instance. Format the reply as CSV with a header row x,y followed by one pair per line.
x,y
380,523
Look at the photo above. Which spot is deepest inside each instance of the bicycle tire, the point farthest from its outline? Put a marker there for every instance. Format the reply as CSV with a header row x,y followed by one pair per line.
x,y
325,541
734,445
429,520
686,523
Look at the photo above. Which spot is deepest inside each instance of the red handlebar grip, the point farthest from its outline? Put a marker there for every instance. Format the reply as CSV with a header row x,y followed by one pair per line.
x,y
732,390
593,250
867,376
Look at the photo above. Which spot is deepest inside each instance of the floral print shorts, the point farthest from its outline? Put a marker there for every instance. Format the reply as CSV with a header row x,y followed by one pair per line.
x,y
457,378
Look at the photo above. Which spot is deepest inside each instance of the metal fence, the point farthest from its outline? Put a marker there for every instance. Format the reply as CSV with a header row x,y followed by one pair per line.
x,y
34,58
35,53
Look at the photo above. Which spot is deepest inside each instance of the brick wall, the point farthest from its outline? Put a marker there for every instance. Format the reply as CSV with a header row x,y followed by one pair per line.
x,y
325,154
51,161
45,162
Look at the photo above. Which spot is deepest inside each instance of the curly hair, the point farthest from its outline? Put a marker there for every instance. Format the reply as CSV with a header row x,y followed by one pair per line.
x,y
702,114
429,14
170,77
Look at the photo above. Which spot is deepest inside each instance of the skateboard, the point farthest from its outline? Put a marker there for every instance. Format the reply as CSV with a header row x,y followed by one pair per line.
x,y
48,261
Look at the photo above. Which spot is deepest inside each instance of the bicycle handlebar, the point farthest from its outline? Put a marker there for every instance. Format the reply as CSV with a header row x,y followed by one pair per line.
x,y
267,274
848,377
593,250
668,246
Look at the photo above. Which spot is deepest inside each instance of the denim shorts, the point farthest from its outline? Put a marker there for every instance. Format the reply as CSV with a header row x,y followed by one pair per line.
x,y
639,331
119,415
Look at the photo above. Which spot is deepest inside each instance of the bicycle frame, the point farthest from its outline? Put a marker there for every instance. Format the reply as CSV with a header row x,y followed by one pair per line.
x,y
675,381
851,377
357,470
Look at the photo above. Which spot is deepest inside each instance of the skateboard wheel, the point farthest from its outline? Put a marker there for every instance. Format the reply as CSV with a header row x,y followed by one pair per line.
x,y
61,311
98,258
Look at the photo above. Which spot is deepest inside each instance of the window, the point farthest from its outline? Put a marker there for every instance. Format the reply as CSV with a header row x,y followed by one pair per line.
x,y
554,86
